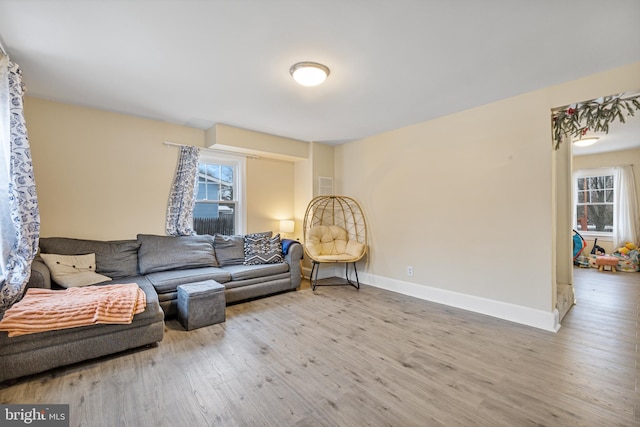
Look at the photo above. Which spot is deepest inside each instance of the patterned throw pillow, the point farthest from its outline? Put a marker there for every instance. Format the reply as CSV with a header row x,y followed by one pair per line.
x,y
260,249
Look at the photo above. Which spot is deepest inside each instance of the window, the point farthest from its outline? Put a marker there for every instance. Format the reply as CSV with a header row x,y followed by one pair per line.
x,y
219,206
595,197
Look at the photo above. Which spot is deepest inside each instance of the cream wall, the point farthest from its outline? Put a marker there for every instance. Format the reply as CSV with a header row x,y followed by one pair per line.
x,y
320,164
230,138
466,200
303,188
615,158
103,175
270,193
323,156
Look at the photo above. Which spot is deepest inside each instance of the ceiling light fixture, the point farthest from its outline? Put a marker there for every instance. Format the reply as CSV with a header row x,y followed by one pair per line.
x,y
585,142
309,73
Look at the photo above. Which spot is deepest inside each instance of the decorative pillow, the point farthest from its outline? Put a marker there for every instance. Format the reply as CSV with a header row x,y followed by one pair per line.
x,y
259,249
162,253
70,271
115,258
230,249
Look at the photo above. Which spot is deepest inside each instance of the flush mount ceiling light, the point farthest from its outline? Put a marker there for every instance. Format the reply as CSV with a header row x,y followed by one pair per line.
x,y
309,73
585,142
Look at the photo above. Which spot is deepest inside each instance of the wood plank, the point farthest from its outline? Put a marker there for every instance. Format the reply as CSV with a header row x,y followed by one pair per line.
x,y
340,356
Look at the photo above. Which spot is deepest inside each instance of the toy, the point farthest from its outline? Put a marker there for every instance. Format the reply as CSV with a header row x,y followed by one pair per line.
x,y
597,250
626,249
578,246
606,262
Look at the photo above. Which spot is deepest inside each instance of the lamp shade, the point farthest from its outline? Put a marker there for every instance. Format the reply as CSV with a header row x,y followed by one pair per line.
x,y
287,226
309,73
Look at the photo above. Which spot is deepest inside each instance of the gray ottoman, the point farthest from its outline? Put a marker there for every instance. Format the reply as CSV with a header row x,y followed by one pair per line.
x,y
201,304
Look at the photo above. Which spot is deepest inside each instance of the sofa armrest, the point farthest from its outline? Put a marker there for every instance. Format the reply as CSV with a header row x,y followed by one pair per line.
x,y
40,275
292,256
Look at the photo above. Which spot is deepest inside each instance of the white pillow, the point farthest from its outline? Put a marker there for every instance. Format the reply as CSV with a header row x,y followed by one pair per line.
x,y
70,271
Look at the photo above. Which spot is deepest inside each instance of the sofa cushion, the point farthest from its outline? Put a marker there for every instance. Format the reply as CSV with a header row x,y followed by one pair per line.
x,y
116,258
70,271
243,272
257,281
168,281
230,249
162,253
259,249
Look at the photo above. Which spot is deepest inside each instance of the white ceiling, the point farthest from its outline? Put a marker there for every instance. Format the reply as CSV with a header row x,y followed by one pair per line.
x,y
393,63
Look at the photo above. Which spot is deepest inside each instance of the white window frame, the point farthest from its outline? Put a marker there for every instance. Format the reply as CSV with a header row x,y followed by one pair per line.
x,y
239,163
582,173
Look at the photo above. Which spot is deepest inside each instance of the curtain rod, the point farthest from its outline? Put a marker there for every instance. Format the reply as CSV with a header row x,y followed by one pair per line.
x,y
212,150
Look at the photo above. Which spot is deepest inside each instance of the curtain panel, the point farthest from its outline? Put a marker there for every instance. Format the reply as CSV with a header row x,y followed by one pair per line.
x,y
625,222
19,214
183,193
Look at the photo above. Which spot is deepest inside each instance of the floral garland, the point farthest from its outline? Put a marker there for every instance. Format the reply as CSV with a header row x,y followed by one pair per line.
x,y
594,115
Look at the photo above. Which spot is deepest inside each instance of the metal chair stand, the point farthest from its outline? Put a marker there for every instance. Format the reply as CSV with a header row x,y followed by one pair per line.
x,y
316,268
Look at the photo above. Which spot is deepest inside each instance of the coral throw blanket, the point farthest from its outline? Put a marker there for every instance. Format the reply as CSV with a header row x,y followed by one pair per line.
x,y
45,310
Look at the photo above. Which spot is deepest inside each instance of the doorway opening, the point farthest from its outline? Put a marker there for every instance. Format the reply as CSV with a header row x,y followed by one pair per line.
x,y
586,180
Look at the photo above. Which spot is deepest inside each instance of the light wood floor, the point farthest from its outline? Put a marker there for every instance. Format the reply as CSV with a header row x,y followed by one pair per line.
x,y
344,357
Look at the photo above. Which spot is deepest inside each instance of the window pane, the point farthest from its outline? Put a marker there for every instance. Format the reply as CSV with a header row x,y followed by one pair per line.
x,y
226,192
603,182
581,218
600,218
583,197
609,181
210,172
226,174
581,184
597,196
212,191
609,196
205,210
212,218
202,191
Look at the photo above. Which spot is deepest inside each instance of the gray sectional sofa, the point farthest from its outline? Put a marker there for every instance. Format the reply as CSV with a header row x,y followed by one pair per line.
x,y
158,264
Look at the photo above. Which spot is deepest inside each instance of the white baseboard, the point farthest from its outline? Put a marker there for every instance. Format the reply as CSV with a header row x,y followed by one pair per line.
x,y
502,310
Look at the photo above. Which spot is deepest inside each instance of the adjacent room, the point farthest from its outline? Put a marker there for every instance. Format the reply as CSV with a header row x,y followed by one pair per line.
x,y
195,234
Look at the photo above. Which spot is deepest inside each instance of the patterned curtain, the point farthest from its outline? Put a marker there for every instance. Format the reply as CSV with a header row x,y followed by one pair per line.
x,y
19,216
183,193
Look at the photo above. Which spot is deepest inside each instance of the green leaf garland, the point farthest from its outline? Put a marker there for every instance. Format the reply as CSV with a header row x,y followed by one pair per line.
x,y
595,115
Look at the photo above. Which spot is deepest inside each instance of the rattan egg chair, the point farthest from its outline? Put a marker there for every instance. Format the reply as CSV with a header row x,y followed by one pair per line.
x,y
334,231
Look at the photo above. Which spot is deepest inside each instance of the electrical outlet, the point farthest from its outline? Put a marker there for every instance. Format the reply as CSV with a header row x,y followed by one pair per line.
x,y
409,271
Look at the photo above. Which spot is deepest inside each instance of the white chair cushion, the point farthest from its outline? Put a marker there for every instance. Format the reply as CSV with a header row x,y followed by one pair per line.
x,y
331,243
